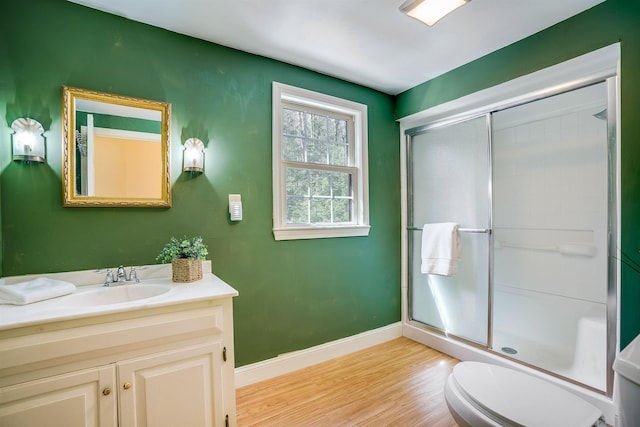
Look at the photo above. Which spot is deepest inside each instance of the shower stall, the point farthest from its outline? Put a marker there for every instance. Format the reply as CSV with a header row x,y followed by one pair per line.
x,y
532,186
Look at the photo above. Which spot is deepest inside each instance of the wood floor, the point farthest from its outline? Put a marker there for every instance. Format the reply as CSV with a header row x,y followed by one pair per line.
x,y
398,383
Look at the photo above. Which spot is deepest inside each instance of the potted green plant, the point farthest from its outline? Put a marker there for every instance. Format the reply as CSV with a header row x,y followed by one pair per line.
x,y
185,256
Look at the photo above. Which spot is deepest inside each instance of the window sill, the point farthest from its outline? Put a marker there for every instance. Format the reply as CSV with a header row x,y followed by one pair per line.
x,y
320,232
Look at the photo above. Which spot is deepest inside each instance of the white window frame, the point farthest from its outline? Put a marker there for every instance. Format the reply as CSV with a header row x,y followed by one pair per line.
x,y
286,95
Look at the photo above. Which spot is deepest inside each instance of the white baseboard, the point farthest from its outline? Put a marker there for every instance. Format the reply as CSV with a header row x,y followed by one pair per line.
x,y
289,362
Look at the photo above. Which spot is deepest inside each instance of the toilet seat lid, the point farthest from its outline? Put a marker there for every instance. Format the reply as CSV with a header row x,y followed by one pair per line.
x,y
515,398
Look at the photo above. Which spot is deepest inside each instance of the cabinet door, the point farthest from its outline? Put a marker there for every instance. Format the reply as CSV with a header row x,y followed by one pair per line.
x,y
78,399
175,388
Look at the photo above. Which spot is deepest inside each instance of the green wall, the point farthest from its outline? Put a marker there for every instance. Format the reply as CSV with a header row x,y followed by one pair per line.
x,y
607,23
293,294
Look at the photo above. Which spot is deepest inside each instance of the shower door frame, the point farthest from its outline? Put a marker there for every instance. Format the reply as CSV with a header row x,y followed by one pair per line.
x,y
611,81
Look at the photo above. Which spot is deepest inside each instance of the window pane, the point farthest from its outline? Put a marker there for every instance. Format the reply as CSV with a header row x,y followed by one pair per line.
x,y
319,126
341,132
339,154
342,210
293,149
320,183
316,151
307,125
297,182
332,128
297,210
288,122
321,211
341,184
291,122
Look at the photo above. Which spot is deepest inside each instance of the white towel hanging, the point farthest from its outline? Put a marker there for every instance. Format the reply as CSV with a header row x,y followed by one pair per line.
x,y
441,249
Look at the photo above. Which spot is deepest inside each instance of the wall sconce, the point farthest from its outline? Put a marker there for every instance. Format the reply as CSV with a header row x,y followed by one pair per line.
x,y
28,141
193,156
430,11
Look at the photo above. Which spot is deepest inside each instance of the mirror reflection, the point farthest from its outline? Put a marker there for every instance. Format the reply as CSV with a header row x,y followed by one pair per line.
x,y
116,150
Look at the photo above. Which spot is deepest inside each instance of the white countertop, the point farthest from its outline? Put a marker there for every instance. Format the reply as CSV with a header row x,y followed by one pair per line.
x,y
58,309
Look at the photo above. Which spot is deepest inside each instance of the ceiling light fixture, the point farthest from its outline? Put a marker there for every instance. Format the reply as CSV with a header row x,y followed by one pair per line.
x,y
430,11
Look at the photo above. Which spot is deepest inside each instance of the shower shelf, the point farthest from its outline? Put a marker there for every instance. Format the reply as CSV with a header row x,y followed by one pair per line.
x,y
579,249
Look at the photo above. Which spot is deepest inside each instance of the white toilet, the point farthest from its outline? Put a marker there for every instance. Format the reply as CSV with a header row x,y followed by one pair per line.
x,y
479,394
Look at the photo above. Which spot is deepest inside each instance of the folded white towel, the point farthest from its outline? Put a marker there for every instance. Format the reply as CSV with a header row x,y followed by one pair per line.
x,y
441,249
34,290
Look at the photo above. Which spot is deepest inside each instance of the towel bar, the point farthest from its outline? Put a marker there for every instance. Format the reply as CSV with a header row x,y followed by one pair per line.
x,y
462,230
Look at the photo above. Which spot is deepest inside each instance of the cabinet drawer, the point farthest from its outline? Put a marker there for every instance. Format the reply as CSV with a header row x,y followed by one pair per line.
x,y
51,348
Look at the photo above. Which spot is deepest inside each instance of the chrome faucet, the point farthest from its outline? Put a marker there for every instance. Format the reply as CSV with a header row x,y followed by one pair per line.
x,y
133,276
121,277
109,280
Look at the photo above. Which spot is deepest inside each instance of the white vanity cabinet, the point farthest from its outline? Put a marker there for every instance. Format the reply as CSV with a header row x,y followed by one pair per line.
x,y
68,400
156,366
177,388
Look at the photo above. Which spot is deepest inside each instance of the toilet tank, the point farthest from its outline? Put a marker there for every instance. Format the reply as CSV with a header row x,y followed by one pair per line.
x,y
627,393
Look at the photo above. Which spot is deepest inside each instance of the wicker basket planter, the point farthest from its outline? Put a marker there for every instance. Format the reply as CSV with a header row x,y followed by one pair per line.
x,y
185,270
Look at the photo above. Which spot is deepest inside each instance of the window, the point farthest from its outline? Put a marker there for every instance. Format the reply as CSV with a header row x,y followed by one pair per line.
x,y
320,184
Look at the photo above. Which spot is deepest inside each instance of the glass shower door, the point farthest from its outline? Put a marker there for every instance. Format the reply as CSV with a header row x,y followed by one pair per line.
x,y
551,235
448,180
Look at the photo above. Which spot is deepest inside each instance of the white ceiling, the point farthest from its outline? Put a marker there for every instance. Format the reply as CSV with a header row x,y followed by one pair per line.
x,y
369,42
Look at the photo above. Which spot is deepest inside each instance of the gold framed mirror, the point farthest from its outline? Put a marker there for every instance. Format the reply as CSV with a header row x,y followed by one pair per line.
x,y
116,150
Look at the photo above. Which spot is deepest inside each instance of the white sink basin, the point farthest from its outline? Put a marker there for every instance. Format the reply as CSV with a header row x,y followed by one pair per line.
x,y
114,295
